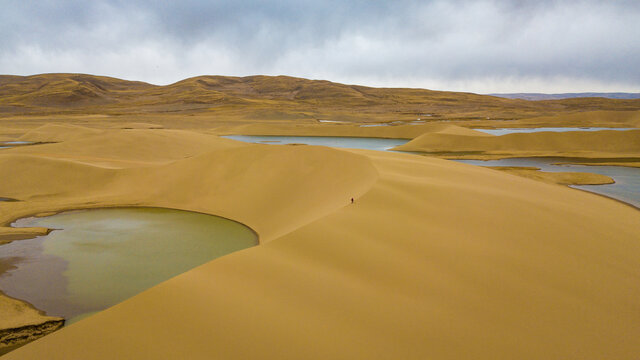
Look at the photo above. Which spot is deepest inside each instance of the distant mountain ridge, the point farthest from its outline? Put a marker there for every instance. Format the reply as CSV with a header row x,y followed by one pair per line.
x,y
541,96
268,98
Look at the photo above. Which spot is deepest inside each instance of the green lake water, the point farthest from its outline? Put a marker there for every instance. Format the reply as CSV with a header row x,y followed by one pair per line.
x,y
101,257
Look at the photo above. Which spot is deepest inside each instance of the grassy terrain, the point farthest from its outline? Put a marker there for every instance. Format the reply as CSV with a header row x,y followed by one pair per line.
x,y
205,100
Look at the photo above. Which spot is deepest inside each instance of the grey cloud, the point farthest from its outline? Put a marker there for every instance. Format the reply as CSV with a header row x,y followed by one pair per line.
x,y
394,43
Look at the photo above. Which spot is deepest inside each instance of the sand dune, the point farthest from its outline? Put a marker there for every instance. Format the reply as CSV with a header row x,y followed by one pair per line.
x,y
120,148
58,133
563,178
435,260
274,189
601,144
137,125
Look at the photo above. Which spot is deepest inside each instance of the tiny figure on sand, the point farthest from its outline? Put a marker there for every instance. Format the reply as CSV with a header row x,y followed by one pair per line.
x,y
352,200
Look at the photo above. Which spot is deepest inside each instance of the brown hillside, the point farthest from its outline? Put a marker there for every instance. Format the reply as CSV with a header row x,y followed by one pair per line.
x,y
222,98
41,92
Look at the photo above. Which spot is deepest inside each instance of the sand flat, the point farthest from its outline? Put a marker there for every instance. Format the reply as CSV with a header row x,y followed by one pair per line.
x,y
434,260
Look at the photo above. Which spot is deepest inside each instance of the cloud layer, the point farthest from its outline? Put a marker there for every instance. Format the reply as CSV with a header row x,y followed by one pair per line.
x,y
480,46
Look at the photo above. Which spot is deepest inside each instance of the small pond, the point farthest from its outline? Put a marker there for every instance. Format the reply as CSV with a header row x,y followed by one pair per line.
x,y
101,257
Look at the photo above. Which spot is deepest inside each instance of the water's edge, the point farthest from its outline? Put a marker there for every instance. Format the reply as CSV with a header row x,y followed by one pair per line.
x,y
11,338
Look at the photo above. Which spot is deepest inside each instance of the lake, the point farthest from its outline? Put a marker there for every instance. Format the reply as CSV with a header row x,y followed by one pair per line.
x,y
98,258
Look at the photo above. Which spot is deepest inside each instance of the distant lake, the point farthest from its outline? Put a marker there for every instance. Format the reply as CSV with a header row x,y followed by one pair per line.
x,y
332,141
505,131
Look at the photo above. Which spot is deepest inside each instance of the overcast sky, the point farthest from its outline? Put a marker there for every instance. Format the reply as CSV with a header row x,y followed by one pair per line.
x,y
480,46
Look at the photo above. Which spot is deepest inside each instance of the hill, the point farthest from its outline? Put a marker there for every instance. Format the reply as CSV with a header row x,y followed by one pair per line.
x,y
267,98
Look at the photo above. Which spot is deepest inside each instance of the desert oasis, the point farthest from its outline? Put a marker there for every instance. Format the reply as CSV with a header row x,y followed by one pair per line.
x,y
300,180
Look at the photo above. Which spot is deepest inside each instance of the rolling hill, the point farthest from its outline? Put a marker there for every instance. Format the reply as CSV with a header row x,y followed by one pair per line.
x,y
228,98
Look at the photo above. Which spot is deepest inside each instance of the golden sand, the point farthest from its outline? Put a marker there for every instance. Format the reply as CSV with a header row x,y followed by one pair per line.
x,y
434,260
562,178
607,146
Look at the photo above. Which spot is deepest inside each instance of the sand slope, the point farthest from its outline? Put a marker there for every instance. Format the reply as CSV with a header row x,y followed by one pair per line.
x,y
118,148
58,133
273,189
563,178
603,144
435,260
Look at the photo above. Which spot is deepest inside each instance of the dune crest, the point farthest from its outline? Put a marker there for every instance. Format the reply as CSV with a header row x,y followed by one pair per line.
x,y
273,189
